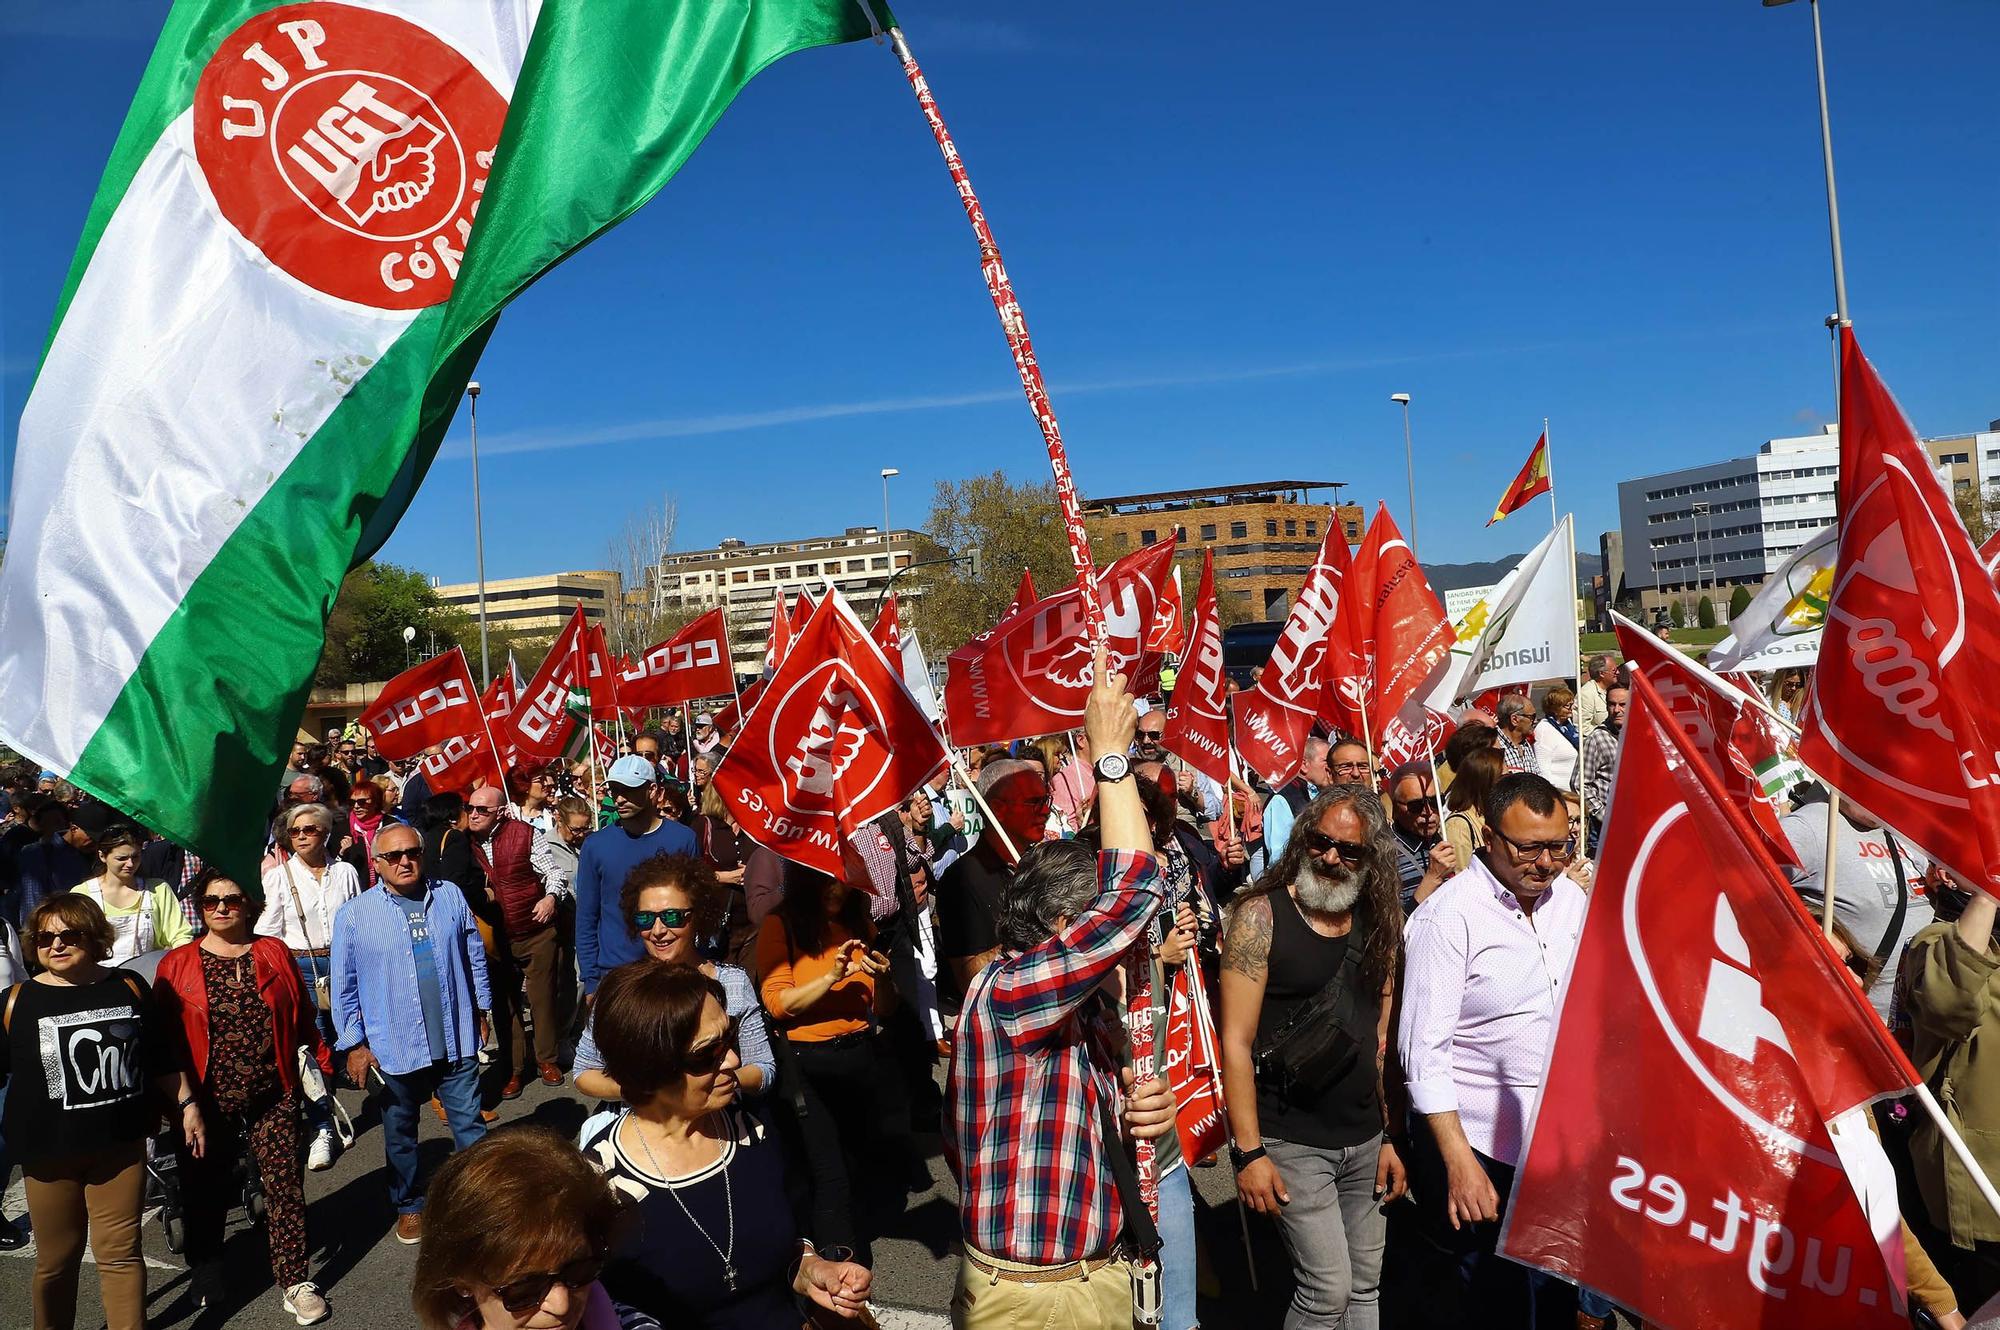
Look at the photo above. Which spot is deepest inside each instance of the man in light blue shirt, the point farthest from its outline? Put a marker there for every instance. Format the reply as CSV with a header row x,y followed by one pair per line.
x,y
409,1001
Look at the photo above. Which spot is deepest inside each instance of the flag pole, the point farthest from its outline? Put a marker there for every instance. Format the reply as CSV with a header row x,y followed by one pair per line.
x,y
1826,866
1014,324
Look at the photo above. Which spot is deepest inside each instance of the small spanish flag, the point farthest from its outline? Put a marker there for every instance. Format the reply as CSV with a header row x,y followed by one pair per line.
x,y
1532,483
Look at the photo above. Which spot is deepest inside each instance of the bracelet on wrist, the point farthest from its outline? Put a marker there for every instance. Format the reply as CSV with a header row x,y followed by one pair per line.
x,y
184,1105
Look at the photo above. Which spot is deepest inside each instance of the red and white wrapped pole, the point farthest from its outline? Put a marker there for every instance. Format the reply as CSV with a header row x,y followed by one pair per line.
x,y
1015,325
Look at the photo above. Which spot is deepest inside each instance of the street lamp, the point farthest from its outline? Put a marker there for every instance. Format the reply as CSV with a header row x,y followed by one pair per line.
x,y
1698,511
409,636
887,472
1826,150
479,535
1409,466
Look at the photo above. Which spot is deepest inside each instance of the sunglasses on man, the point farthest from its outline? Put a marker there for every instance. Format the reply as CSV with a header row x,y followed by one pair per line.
x,y
398,856
1319,844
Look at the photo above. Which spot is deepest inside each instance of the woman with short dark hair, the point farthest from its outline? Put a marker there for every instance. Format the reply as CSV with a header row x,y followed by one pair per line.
x,y
474,1274
78,1122
717,1244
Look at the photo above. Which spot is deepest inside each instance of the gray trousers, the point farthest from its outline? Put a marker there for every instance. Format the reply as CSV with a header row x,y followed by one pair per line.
x,y
1334,1229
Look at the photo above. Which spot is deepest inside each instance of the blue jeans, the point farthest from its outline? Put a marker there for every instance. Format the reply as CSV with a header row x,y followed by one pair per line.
x,y
1177,1262
318,1116
456,1084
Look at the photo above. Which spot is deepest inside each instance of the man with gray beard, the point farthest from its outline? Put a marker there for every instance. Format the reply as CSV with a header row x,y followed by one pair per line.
x,y
1308,980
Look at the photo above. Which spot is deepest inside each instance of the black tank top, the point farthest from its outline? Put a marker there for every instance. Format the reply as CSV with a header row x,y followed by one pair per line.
x,y
1301,962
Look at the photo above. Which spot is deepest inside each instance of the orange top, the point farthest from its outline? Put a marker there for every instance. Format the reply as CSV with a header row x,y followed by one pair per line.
x,y
846,1007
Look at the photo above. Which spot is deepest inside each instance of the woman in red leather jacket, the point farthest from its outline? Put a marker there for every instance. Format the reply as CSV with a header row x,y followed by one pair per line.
x,y
243,1015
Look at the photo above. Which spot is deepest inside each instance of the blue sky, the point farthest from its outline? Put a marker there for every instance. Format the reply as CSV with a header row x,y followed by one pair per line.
x,y
1233,239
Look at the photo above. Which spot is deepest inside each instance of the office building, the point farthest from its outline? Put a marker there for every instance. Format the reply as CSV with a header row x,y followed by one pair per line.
x,y
746,579
1264,534
537,606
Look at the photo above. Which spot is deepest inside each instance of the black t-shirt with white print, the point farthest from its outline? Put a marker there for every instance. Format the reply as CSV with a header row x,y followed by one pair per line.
x,y
80,1062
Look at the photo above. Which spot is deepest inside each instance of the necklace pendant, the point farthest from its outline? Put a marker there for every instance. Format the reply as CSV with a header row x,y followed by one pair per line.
x,y
728,1277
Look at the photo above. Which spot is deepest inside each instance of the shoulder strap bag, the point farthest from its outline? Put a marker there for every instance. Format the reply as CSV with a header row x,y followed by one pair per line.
x,y
1316,1047
322,983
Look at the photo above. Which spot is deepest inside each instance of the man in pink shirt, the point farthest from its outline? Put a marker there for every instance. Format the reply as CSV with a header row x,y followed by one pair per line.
x,y
1485,959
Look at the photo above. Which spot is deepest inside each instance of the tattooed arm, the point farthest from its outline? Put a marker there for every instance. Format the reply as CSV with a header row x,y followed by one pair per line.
x,y
1246,956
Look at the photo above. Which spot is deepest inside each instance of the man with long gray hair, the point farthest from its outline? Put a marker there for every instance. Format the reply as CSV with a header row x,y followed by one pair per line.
x,y
1308,980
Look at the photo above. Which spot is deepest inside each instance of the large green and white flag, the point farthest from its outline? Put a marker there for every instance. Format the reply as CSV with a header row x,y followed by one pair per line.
x,y
307,229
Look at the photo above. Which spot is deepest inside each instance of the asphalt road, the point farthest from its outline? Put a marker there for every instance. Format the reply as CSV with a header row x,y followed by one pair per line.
x,y
366,1272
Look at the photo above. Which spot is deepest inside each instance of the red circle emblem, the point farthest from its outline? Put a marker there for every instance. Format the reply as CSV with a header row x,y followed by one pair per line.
x,y
350,147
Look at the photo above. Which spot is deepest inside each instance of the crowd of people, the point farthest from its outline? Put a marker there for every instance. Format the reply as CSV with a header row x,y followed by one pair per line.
x,y
768,1052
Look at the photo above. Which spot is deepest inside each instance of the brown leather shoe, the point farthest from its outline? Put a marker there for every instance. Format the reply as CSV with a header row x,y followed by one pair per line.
x,y
488,1116
512,1089
410,1228
551,1074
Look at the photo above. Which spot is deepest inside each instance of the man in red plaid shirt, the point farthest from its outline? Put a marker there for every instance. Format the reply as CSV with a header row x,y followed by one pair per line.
x,y
1038,1052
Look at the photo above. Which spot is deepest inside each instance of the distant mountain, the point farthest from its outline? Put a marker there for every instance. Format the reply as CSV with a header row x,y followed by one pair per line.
x,y
1452,576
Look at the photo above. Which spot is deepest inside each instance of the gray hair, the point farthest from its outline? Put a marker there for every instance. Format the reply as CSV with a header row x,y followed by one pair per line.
x,y
1053,879
1313,747
319,813
1597,664
1512,705
311,782
1378,908
995,774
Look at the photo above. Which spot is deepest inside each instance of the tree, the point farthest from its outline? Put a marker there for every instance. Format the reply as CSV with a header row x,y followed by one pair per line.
x,y
364,634
1677,615
1979,509
1739,601
643,618
1704,612
1013,527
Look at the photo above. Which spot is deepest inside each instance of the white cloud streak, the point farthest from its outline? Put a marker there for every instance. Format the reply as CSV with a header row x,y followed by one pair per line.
x,y
680,427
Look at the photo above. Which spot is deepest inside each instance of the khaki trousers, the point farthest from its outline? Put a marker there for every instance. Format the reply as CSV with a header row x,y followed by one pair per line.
x,y
99,1191
1098,1300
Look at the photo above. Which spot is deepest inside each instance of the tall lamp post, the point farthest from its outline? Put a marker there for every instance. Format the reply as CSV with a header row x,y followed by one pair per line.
x,y
887,472
479,536
1409,466
1826,151
409,636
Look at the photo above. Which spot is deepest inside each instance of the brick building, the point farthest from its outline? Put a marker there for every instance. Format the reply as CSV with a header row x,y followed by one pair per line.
x,y
1264,534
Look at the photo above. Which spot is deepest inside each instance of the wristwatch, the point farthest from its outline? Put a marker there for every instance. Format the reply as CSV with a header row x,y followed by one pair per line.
x,y
1113,767
1241,1157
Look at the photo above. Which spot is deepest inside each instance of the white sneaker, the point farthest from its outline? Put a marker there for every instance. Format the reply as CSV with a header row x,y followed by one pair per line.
x,y
305,1302
320,1157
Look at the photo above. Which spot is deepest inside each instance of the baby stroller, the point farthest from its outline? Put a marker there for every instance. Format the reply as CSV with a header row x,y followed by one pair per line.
x,y
163,1187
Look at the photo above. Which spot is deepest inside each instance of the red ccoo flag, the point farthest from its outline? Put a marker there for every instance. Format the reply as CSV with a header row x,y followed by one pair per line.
x,y
425,705
835,743
541,726
692,663
462,763
1716,721
1698,1152
1532,483
498,702
1273,718
1895,715
1198,712
1031,674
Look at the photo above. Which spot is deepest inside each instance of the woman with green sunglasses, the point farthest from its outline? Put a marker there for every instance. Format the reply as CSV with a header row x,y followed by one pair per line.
x,y
670,902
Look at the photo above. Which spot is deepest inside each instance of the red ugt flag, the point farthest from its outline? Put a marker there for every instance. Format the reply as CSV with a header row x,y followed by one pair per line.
x,y
1900,703
780,640
835,742
1716,725
888,629
1273,718
426,705
1197,714
1031,675
541,726
692,663
1695,1154
1169,631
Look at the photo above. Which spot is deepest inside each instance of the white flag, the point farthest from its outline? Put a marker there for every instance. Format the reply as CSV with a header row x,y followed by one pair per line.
x,y
1781,627
1529,633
